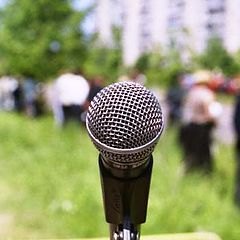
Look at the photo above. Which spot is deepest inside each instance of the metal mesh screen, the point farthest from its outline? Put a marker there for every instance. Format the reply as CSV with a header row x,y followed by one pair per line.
x,y
124,116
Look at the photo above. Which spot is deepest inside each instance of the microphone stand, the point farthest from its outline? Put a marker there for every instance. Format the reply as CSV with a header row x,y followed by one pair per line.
x,y
124,231
125,200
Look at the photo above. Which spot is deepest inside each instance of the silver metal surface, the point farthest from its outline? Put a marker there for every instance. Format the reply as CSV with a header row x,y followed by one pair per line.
x,y
125,122
126,234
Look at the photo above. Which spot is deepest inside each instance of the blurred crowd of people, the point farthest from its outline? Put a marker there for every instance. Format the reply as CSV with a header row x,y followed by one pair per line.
x,y
67,97
21,95
191,103
194,110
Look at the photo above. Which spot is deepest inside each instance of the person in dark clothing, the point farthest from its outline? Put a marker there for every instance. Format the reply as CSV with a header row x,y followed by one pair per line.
x,y
236,123
18,98
30,94
196,141
174,98
201,112
96,85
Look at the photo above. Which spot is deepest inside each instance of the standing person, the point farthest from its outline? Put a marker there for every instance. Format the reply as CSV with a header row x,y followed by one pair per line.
x,y
200,113
8,85
72,90
174,99
53,103
30,95
236,123
96,85
18,97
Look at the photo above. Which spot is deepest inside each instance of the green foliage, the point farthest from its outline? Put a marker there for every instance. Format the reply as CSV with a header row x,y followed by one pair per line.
x,y
163,69
49,184
49,180
142,63
105,61
160,70
216,57
38,38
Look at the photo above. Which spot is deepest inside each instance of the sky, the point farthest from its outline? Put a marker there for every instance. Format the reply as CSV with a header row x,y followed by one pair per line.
x,y
2,3
82,4
88,25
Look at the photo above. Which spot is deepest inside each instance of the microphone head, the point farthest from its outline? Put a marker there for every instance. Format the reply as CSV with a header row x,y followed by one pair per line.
x,y
125,121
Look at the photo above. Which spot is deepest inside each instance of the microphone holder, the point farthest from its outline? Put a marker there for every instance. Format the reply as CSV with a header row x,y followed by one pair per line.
x,y
125,231
125,201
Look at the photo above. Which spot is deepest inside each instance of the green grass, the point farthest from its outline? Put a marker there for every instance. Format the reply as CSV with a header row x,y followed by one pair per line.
x,y
50,188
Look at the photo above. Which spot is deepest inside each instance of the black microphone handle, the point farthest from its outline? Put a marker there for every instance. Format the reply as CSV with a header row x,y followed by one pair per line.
x,y
125,199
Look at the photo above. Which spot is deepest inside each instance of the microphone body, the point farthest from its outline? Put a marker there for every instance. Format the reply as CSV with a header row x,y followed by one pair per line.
x,y
125,121
125,197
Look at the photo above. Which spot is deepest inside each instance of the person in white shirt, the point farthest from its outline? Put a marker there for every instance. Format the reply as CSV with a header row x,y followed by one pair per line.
x,y
71,91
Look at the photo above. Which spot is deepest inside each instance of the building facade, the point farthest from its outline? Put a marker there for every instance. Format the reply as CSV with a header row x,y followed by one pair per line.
x,y
232,31
185,25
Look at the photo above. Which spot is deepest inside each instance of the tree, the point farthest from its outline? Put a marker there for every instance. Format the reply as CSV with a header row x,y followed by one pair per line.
x,y
160,69
142,63
103,60
38,38
216,56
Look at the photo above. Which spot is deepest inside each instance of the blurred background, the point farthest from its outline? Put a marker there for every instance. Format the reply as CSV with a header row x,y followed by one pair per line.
x,y
54,58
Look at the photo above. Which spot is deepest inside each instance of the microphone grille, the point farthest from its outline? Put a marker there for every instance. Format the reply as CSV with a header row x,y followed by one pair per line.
x,y
124,116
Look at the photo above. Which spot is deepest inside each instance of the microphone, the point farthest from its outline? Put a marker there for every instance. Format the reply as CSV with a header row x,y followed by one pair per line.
x,y
124,122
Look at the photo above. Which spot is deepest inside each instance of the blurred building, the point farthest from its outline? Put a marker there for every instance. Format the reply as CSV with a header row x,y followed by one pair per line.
x,y
144,27
108,14
192,23
185,25
232,33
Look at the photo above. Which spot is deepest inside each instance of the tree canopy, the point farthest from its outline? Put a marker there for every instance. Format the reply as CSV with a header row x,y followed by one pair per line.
x,y
38,38
215,56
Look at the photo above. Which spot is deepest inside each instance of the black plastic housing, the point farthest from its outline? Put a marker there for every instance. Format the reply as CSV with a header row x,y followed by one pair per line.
x,y
125,198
